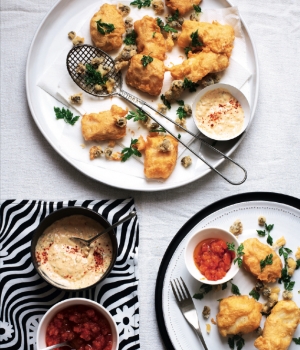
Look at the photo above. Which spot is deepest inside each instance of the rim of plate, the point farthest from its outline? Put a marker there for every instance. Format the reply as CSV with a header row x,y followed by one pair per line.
x,y
155,186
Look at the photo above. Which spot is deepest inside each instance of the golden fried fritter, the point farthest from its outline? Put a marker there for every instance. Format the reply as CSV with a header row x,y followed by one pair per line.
x,y
108,14
217,37
147,43
279,326
182,6
159,164
238,314
255,252
103,126
199,65
148,79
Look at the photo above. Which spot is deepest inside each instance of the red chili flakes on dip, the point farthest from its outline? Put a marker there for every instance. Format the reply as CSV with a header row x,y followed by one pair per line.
x,y
213,258
86,328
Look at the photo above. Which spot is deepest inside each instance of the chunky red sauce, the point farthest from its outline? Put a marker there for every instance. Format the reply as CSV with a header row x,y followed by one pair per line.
x,y
84,326
213,258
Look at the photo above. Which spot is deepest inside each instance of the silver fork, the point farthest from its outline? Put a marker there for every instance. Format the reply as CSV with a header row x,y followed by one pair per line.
x,y
187,307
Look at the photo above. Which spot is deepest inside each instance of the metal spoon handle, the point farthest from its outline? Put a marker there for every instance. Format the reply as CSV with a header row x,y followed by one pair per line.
x,y
60,345
140,104
128,217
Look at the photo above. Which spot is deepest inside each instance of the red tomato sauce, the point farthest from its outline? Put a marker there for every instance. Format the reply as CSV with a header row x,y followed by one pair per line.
x,y
84,326
213,258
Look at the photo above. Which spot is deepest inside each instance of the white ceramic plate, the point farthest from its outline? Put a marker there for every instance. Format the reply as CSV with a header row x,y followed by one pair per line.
x,y
43,52
175,331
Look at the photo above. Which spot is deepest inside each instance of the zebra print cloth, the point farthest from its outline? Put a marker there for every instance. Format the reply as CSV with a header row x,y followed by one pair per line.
x,y
26,297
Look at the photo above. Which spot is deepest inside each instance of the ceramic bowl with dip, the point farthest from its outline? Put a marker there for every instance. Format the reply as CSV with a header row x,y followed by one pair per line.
x,y
60,320
207,251
221,112
65,264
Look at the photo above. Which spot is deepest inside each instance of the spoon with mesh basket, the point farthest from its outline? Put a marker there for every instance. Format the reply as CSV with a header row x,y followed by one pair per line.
x,y
85,53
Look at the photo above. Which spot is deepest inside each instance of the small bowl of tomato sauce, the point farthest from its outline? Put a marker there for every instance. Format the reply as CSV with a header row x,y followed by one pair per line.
x,y
83,322
210,254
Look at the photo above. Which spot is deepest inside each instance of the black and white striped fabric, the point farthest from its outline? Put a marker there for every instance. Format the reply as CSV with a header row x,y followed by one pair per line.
x,y
25,297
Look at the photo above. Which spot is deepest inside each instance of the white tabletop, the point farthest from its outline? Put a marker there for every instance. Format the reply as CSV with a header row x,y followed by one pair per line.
x,y
31,169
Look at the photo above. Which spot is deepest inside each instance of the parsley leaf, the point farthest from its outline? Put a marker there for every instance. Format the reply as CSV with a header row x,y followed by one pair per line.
x,y
289,285
285,252
104,28
269,228
231,246
267,261
187,50
296,341
66,115
181,112
146,60
204,289
93,77
254,294
195,39
164,27
130,39
153,34
141,3
261,233
137,115
235,289
127,152
180,102
197,8
179,136
240,342
174,17
188,84
161,129
297,264
224,285
165,101
239,253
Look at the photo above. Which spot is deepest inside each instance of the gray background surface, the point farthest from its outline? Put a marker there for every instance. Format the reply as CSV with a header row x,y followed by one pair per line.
x,y
31,169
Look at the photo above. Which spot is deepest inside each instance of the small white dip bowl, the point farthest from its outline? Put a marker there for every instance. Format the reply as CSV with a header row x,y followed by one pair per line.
x,y
41,332
210,232
238,95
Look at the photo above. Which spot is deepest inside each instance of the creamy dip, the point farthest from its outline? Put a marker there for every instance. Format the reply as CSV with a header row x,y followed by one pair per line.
x,y
219,115
67,263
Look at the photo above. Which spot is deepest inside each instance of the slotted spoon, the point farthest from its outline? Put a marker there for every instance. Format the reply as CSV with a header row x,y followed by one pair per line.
x,y
85,53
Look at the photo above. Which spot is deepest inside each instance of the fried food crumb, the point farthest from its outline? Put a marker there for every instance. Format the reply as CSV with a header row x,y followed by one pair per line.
x,y
287,295
111,143
279,243
262,220
181,122
124,9
186,161
96,61
103,70
108,152
158,7
71,35
128,22
236,228
95,152
80,69
76,99
116,156
110,85
98,88
291,264
121,122
208,328
297,254
78,41
121,65
175,91
213,321
206,312
162,108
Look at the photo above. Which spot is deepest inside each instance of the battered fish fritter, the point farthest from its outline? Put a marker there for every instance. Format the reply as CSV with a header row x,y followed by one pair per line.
x,y
147,43
199,65
108,14
182,6
255,251
102,126
148,79
217,37
238,314
279,327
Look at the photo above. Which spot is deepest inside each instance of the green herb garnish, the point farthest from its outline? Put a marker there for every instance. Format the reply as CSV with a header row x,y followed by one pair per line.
x,y
224,285
161,129
146,59
141,3
239,253
181,112
104,28
284,252
153,34
179,136
254,294
296,341
289,286
297,264
195,39
188,84
127,152
235,289
93,77
66,115
204,289
187,50
240,342
180,102
197,8
137,115
267,261
165,101
130,39
231,246
262,233
164,27
174,17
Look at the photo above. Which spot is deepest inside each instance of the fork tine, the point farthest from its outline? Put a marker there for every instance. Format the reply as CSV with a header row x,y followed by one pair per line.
x,y
185,287
174,292
182,294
